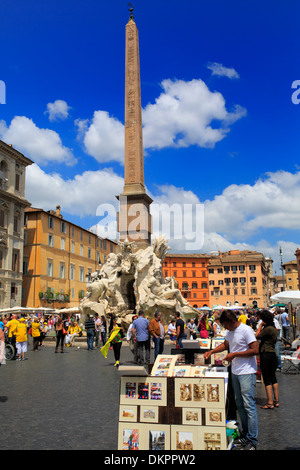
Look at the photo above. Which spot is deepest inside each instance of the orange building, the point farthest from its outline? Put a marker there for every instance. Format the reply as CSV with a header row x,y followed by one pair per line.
x,y
241,277
58,258
191,273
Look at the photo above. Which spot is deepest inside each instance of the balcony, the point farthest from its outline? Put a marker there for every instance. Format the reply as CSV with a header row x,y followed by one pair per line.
x,y
50,296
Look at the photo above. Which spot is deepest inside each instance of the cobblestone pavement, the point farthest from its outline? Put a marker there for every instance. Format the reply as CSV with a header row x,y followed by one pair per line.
x,y
70,401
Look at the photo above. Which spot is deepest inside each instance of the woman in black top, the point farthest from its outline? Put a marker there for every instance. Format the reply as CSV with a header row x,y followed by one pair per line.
x,y
267,335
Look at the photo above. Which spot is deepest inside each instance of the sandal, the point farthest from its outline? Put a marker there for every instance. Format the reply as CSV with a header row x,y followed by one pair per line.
x,y
276,403
267,406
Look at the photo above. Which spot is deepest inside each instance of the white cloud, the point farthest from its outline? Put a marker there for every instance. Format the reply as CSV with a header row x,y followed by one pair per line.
x,y
80,195
41,145
58,110
186,114
103,138
222,71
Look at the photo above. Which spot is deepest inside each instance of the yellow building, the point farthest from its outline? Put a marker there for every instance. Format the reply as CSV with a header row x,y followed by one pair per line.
x,y
291,275
58,258
239,277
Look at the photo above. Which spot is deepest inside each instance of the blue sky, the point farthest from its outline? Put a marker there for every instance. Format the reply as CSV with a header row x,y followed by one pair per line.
x,y
220,127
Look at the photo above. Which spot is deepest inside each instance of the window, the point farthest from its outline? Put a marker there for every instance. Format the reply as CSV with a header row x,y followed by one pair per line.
x,y
63,227
175,273
17,182
193,273
193,264
253,291
252,268
81,250
16,224
81,235
243,280
62,243
111,248
194,285
235,281
1,259
72,231
89,238
226,269
253,280
210,271
16,261
50,222
204,285
185,285
104,244
227,281
50,240
25,265
220,270
73,247
2,218
243,291
50,268
220,283
89,253
183,273
81,274
234,269
72,272
227,291
211,283
242,268
174,264
183,264
62,270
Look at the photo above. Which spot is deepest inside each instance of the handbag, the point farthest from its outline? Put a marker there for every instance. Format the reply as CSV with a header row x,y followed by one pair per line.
x,y
64,331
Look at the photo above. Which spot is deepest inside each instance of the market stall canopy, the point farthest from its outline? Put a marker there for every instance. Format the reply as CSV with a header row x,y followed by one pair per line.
x,y
287,296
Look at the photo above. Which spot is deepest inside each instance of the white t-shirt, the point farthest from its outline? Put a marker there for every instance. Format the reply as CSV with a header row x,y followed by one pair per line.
x,y
239,340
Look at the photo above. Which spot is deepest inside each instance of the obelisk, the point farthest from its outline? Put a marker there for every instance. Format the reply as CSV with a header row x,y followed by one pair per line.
x,y
134,219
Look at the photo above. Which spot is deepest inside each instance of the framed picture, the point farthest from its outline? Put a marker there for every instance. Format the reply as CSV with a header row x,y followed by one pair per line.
x,y
215,417
199,359
185,438
128,413
149,414
197,371
212,438
181,371
216,342
141,390
205,343
163,366
156,437
129,437
217,358
200,392
192,416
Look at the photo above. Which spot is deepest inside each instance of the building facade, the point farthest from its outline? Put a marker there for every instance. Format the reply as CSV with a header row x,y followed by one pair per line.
x,y
191,273
240,277
12,205
59,258
291,275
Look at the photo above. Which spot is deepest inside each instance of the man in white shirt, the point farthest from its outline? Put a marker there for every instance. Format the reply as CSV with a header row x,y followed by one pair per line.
x,y
243,348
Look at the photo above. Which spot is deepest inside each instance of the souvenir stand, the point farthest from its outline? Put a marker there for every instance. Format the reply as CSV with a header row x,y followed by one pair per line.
x,y
179,405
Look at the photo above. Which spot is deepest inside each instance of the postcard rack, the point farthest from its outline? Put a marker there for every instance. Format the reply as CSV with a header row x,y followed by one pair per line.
x,y
177,407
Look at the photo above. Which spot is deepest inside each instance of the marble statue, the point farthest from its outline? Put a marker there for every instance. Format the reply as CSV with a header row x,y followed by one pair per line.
x,y
132,279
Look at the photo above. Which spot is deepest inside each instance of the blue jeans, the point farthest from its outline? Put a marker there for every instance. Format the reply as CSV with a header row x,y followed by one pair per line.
x,y
244,393
183,336
159,346
90,334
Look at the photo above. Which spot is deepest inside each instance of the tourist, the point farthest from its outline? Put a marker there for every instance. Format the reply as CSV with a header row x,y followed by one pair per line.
x,y
218,330
35,333
191,326
268,335
60,334
103,329
131,342
172,331
140,331
97,329
243,346
117,340
44,331
285,325
74,330
243,318
10,327
180,334
21,339
157,331
277,345
202,328
89,327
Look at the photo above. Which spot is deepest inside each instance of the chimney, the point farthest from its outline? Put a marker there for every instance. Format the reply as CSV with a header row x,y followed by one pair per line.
x,y
57,212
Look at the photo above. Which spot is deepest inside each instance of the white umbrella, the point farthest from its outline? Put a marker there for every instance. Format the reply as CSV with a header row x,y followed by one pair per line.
x,y
287,296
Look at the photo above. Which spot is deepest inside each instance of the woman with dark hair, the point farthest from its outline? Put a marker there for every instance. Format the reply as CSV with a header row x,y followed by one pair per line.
x,y
267,335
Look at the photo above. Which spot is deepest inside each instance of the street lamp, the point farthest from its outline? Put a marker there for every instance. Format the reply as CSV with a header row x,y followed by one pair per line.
x,y
281,267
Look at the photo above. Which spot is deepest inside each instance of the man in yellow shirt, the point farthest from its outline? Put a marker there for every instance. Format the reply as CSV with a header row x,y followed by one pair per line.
x,y
243,318
11,326
21,339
